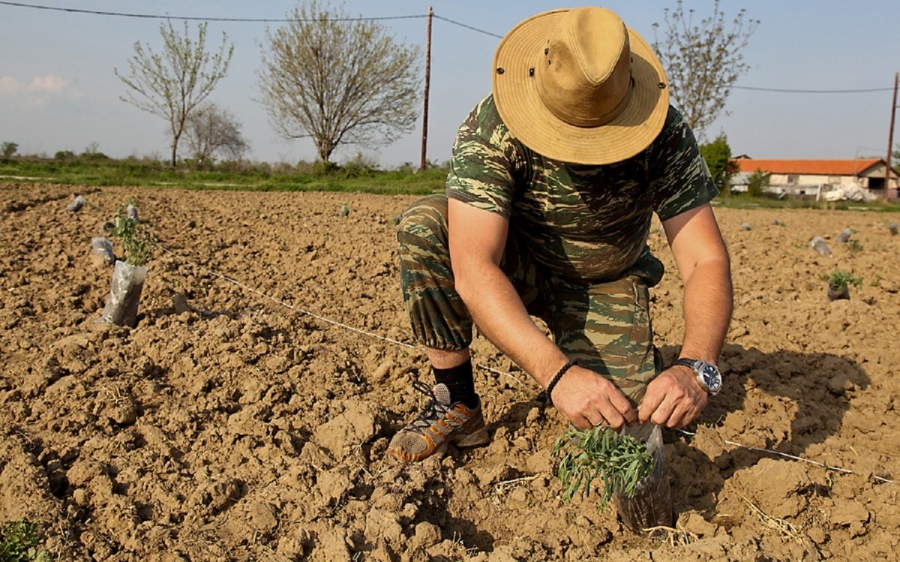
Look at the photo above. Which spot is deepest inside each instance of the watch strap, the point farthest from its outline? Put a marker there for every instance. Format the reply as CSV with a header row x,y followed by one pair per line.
x,y
687,362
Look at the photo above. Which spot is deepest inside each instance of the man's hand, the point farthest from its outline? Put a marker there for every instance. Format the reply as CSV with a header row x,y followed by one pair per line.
x,y
588,399
673,399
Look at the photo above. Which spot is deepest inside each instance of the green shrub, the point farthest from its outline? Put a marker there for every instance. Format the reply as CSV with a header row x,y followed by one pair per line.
x,y
8,149
19,541
92,156
758,181
717,155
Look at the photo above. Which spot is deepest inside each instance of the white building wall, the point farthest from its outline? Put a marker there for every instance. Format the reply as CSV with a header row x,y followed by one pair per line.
x,y
815,179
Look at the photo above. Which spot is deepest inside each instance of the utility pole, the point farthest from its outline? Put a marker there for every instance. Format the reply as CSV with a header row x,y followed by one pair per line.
x,y
424,163
887,168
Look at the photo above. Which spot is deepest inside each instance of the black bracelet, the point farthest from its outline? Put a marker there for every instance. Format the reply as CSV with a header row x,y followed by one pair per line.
x,y
555,379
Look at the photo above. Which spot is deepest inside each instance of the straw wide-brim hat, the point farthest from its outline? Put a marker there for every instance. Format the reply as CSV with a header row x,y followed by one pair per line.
x,y
578,85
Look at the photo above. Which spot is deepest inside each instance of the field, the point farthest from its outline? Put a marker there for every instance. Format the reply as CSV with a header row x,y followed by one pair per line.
x,y
246,416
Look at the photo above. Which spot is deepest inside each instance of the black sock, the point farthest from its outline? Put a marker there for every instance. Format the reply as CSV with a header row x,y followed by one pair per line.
x,y
460,382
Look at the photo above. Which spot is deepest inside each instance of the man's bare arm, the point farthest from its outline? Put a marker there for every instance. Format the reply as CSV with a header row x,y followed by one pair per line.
x,y
477,241
675,398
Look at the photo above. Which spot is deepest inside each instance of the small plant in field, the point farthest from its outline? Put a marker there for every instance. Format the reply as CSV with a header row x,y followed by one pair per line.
x,y
137,242
131,271
837,280
854,246
621,461
19,542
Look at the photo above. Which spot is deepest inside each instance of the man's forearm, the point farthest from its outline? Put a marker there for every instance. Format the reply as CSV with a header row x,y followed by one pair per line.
x,y
708,303
500,315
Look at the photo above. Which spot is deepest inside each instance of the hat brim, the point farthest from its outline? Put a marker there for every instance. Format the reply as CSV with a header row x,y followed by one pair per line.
x,y
520,107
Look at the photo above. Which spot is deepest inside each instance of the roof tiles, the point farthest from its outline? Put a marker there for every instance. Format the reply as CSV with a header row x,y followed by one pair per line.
x,y
811,167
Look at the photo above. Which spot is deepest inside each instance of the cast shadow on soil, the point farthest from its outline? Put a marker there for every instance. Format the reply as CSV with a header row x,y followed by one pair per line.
x,y
456,529
817,386
783,402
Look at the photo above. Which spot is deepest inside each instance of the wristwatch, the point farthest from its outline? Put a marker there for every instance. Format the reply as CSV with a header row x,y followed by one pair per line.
x,y
708,375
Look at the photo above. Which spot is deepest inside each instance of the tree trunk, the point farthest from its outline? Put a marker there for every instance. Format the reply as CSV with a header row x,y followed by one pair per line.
x,y
175,138
325,148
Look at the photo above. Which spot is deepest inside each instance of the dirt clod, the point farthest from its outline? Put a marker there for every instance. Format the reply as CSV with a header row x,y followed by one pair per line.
x,y
246,428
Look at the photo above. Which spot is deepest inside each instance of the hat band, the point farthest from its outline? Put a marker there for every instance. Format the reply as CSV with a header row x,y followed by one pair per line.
x,y
577,121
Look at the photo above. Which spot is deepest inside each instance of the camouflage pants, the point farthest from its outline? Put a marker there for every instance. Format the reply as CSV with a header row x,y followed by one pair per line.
x,y
605,327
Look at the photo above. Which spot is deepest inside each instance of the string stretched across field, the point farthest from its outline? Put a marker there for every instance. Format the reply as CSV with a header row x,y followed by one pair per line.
x,y
307,312
792,457
282,303
410,346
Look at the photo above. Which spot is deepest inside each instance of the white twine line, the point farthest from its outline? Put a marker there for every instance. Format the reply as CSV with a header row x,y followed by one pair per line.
x,y
408,346
308,313
792,457
284,304
504,373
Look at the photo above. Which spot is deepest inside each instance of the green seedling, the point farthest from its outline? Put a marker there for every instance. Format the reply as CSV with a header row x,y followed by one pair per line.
x,y
19,542
137,242
621,461
837,280
854,246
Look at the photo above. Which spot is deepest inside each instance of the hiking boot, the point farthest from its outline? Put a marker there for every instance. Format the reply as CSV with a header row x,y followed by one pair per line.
x,y
441,422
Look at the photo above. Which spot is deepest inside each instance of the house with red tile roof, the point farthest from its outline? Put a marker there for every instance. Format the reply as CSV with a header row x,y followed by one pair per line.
x,y
811,177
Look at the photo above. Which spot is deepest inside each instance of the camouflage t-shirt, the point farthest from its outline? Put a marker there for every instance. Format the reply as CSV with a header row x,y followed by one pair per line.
x,y
581,222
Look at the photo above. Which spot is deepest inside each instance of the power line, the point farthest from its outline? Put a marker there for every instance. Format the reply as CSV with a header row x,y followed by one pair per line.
x,y
192,18
788,91
467,26
378,18
240,20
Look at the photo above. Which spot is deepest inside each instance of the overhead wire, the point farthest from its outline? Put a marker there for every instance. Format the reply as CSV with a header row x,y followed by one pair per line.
x,y
437,17
381,18
194,18
789,91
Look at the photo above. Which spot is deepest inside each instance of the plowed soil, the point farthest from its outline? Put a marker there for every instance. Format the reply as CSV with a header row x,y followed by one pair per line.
x,y
246,415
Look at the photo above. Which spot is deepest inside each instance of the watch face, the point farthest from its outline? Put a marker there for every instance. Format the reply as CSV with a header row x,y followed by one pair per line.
x,y
711,378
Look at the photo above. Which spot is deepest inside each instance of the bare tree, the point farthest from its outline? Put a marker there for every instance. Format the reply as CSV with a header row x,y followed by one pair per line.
x,y
172,84
338,80
211,130
702,61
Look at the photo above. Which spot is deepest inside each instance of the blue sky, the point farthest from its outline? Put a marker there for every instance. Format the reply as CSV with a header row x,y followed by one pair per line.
x,y
58,90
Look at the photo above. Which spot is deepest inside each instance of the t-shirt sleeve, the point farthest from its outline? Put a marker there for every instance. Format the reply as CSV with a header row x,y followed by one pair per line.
x,y
680,179
481,166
